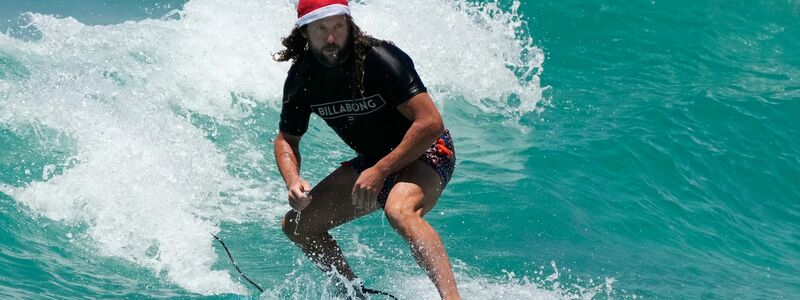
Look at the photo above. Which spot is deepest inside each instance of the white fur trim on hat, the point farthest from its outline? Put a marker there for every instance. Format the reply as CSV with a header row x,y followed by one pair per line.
x,y
323,12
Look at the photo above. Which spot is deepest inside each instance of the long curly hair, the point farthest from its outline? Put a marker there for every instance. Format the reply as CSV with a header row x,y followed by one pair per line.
x,y
359,43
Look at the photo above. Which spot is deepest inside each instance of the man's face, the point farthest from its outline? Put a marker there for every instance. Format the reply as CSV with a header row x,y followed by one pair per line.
x,y
328,39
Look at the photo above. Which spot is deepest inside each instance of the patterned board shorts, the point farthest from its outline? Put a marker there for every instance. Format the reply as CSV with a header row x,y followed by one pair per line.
x,y
441,156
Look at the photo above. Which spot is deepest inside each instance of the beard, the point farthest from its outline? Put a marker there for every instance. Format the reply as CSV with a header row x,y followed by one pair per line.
x,y
330,55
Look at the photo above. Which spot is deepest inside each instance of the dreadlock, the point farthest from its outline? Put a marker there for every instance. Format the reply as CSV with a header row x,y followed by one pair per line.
x,y
360,43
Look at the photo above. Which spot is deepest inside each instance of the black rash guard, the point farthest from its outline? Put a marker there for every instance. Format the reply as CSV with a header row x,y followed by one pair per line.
x,y
370,124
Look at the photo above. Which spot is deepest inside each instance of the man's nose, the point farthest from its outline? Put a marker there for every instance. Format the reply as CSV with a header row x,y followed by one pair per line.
x,y
330,39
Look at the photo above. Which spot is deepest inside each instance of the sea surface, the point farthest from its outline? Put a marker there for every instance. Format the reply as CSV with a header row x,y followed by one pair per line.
x,y
616,149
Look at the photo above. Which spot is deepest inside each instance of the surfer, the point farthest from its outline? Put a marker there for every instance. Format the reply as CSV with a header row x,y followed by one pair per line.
x,y
369,93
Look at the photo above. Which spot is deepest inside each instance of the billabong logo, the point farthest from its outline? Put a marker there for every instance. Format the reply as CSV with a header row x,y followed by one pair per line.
x,y
338,109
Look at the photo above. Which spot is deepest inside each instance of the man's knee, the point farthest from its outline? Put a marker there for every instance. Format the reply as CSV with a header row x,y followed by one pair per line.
x,y
297,233
289,226
400,216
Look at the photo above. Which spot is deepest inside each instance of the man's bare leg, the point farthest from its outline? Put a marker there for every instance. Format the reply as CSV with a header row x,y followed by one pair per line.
x,y
416,192
331,206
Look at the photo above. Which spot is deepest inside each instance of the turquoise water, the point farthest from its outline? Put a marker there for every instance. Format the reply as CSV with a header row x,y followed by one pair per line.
x,y
615,149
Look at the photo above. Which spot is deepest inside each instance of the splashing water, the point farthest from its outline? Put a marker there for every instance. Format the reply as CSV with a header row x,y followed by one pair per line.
x,y
162,118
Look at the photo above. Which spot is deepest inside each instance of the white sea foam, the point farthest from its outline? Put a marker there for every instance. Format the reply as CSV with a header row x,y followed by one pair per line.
x,y
543,284
148,184
476,287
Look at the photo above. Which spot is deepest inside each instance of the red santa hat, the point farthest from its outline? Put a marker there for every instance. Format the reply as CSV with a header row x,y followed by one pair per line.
x,y
311,10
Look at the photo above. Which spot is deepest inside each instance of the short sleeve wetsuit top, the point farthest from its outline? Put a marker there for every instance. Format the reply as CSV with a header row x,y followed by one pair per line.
x,y
369,123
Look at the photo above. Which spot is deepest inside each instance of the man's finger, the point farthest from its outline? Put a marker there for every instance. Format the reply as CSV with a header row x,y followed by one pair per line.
x,y
361,198
365,198
368,201
353,196
357,198
373,200
367,195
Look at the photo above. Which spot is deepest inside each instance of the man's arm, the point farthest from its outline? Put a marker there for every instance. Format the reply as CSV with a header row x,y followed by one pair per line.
x,y
287,157
425,128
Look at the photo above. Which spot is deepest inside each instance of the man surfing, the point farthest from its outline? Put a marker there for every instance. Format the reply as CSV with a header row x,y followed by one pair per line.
x,y
369,93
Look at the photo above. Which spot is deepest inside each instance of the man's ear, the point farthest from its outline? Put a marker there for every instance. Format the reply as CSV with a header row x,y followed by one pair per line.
x,y
304,33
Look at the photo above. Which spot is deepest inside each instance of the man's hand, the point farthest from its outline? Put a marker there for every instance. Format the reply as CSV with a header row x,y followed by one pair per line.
x,y
298,194
368,185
